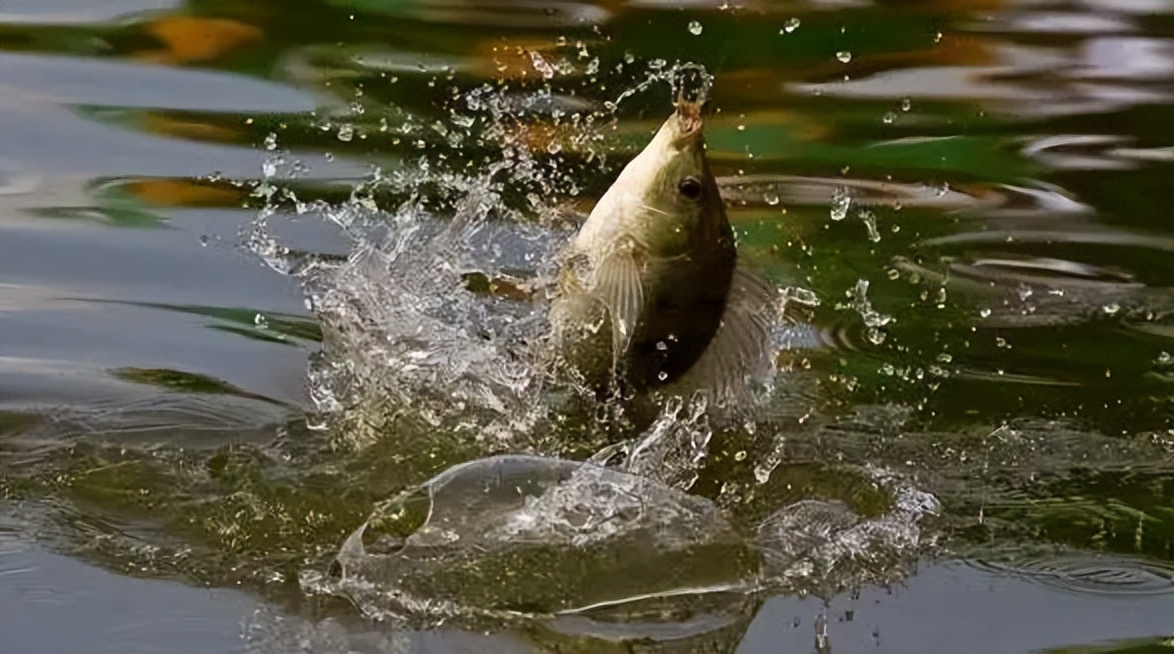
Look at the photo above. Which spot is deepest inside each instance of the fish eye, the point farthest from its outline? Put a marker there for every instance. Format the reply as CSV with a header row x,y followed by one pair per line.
x,y
690,187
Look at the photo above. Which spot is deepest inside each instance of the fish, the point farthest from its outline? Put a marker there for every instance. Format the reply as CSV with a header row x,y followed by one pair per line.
x,y
649,295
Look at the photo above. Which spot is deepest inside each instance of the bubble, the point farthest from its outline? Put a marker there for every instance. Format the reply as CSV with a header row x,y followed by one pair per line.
x,y
790,26
695,28
844,56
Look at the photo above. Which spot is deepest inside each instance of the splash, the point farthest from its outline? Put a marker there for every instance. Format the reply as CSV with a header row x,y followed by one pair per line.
x,y
433,332
403,336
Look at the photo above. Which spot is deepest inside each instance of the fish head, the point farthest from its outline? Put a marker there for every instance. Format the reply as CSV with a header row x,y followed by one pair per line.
x,y
665,200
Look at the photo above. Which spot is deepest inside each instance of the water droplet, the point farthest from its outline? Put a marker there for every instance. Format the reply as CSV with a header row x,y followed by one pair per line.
x,y
841,202
346,133
695,28
985,313
906,104
662,375
790,26
894,274
887,369
945,357
204,240
869,219
889,117
1111,308
260,322
662,346
1164,359
801,295
771,198
541,65
844,56
271,141
329,156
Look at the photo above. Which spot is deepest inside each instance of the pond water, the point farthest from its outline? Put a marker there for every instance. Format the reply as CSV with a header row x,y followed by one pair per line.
x,y
265,381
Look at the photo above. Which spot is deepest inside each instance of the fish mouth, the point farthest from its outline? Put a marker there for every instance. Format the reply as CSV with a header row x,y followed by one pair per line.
x,y
689,120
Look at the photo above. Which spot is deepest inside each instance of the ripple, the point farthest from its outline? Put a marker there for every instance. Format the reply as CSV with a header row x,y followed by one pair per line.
x,y
83,81
72,12
989,199
1085,572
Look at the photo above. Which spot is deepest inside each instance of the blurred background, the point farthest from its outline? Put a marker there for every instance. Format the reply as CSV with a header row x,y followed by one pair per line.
x,y
968,202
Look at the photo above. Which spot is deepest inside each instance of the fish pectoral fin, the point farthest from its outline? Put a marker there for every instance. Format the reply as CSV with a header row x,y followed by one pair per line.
x,y
617,284
741,347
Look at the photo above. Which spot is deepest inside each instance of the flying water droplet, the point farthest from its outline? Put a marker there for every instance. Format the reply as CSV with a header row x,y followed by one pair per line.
x,y
695,28
346,133
801,295
841,202
844,56
869,219
790,26
1111,308
271,141
906,104
260,322
541,65
771,198
889,117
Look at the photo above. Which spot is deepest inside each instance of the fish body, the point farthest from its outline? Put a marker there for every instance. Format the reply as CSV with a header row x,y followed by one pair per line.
x,y
644,287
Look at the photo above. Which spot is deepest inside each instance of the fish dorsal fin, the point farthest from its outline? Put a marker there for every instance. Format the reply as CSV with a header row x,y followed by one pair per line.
x,y
741,348
617,284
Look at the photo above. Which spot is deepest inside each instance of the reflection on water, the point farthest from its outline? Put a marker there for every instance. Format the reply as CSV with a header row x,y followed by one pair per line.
x,y
962,205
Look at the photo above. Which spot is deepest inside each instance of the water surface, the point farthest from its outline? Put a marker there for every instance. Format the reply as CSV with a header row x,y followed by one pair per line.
x,y
234,327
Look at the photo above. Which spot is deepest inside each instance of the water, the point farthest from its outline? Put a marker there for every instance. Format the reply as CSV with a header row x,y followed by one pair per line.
x,y
270,276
